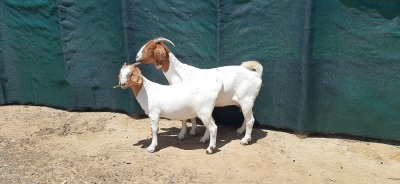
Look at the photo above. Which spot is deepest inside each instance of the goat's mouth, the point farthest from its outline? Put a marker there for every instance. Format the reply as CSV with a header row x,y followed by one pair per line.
x,y
144,61
139,60
123,86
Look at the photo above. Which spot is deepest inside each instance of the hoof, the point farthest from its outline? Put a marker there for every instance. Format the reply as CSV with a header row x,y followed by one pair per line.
x,y
151,150
181,136
192,132
209,151
245,141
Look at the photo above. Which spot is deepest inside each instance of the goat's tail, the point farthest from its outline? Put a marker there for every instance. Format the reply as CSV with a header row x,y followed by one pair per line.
x,y
254,66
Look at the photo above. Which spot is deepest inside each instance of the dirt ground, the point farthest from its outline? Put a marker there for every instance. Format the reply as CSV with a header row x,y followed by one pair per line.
x,y
45,145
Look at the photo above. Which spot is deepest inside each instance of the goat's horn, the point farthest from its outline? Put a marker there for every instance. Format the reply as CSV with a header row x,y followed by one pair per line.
x,y
161,39
136,64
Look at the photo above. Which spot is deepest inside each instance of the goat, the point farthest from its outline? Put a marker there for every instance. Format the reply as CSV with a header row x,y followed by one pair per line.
x,y
240,84
178,102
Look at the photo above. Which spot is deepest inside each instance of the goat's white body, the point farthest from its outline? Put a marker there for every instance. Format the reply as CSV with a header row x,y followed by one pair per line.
x,y
237,81
180,102
240,87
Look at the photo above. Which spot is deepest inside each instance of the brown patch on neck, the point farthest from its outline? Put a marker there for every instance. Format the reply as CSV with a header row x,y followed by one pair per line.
x,y
136,89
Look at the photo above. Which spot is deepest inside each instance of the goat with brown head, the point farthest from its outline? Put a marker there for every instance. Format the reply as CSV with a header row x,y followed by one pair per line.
x,y
241,83
155,51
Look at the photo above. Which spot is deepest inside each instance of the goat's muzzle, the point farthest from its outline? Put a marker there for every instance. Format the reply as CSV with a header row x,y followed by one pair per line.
x,y
139,59
121,86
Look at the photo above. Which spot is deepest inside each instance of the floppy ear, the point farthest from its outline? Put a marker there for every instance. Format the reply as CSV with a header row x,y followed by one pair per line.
x,y
162,57
137,77
137,80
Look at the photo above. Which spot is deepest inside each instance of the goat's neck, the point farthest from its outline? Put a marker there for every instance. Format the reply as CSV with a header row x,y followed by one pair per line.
x,y
141,93
176,68
137,88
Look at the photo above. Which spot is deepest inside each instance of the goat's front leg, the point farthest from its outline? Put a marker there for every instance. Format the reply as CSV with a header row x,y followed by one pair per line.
x,y
154,129
182,134
194,126
242,128
206,136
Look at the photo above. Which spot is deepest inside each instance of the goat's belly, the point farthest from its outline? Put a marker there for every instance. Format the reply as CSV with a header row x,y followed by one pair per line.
x,y
223,101
181,114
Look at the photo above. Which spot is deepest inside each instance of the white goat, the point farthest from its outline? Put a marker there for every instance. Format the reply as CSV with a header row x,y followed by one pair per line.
x,y
177,102
240,84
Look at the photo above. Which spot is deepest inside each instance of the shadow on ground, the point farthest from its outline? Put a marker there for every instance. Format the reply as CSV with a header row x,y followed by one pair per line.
x,y
169,138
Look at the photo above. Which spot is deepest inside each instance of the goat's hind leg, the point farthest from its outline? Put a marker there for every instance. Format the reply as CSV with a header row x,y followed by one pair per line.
x,y
246,105
212,128
249,119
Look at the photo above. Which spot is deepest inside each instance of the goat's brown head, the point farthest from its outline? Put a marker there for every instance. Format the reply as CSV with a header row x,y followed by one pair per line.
x,y
155,51
130,76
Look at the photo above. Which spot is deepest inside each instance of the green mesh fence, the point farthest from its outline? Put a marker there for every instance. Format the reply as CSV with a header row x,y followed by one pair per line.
x,y
330,66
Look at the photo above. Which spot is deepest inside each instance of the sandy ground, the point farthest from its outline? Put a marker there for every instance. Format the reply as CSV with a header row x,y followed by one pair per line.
x,y
45,145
